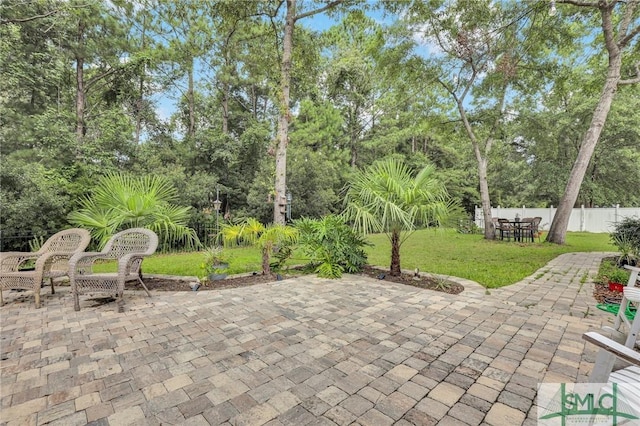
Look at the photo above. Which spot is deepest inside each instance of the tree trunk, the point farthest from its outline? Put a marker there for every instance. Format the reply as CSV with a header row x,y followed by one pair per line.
x,y
140,100
279,202
395,253
191,100
489,229
80,101
225,107
558,228
266,268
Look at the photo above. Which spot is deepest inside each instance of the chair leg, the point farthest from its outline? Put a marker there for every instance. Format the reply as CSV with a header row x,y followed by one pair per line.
x,y
76,301
1,298
145,287
37,294
53,291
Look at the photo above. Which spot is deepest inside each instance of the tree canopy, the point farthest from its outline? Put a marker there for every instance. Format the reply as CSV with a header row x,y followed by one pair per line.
x,y
260,99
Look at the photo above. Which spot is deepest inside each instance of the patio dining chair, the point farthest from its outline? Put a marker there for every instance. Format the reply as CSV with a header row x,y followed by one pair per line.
x,y
128,248
529,228
506,229
51,262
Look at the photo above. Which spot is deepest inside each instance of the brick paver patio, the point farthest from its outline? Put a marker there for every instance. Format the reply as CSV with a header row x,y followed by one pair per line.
x,y
300,351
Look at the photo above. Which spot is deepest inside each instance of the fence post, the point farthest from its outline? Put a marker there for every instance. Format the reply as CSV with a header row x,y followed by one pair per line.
x,y
582,218
616,214
524,211
551,214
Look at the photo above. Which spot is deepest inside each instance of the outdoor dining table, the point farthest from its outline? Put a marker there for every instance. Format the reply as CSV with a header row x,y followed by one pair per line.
x,y
518,227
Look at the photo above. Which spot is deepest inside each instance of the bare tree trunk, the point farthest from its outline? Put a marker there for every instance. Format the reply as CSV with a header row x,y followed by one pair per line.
x,y
140,100
354,156
395,253
191,100
279,202
489,231
558,228
225,108
79,100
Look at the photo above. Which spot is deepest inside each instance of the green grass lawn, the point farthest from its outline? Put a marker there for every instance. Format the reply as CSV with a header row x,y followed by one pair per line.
x,y
491,263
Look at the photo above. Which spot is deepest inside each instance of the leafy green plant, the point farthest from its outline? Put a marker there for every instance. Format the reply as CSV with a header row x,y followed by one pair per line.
x,y
36,244
629,254
626,237
618,276
267,238
386,197
120,202
442,283
331,245
610,271
214,260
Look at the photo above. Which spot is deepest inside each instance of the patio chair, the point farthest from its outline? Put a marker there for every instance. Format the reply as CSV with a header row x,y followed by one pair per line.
x,y
128,248
506,229
627,378
529,228
51,262
625,329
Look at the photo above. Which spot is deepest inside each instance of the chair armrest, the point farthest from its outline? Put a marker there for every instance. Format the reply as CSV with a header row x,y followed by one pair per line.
x,y
11,260
82,263
632,268
613,347
124,263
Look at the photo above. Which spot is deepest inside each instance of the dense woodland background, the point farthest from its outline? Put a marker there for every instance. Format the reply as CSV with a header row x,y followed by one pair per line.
x,y
84,86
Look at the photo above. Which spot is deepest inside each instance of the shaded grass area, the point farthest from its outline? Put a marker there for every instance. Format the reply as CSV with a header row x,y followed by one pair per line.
x,y
491,263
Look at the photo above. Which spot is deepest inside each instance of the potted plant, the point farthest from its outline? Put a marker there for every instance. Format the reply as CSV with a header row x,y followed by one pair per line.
x,y
617,279
215,264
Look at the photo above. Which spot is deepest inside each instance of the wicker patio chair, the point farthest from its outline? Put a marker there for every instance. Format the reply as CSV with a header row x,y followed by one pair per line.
x,y
128,248
51,262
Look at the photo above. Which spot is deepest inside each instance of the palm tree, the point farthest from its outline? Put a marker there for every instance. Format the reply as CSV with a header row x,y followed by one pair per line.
x,y
267,238
120,202
385,197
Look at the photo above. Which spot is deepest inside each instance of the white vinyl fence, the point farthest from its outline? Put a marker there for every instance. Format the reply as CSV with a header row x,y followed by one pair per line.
x,y
600,219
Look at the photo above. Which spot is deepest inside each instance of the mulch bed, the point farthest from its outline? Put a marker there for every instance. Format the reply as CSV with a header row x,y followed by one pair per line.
x,y
602,294
165,284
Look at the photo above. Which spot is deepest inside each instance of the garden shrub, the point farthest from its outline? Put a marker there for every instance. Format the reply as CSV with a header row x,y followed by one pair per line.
x,y
331,245
626,236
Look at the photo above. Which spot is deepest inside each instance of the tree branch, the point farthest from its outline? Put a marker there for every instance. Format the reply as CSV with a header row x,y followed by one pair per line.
x,y
627,18
633,80
607,29
31,18
626,39
580,3
319,10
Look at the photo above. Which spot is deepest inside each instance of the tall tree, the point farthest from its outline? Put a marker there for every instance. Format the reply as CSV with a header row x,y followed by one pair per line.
x,y
292,15
489,51
620,24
